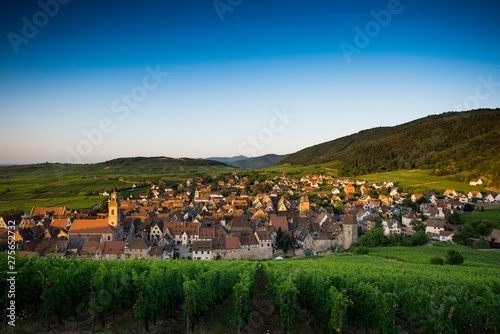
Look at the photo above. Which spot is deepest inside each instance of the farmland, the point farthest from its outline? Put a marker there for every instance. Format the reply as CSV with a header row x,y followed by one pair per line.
x,y
421,181
389,290
423,254
22,187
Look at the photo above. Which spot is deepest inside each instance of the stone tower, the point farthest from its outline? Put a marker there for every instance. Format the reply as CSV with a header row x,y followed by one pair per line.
x,y
113,210
349,231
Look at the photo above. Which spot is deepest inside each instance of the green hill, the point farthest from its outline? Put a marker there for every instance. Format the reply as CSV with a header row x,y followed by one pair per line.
x,y
448,143
257,162
76,185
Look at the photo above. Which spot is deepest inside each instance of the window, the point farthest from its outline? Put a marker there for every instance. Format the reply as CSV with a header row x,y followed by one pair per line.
x,y
109,238
112,212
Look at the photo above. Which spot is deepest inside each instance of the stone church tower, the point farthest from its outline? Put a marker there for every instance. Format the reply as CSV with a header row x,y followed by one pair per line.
x,y
114,210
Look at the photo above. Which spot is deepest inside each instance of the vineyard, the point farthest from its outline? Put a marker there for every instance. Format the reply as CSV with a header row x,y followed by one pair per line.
x,y
340,293
373,293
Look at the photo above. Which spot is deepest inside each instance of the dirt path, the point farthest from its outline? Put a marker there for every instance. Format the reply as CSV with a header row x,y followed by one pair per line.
x,y
262,318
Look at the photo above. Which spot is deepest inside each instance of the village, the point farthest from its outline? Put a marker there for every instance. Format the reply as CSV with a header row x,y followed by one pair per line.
x,y
239,218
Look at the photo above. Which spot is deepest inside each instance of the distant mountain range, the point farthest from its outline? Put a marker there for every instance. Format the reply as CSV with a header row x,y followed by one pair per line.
x,y
448,143
251,163
227,159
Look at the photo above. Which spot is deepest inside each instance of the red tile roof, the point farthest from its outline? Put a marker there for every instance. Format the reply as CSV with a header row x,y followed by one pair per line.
x,y
113,247
90,226
279,221
233,243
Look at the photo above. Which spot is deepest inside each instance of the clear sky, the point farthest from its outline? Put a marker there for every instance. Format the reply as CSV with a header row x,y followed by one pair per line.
x,y
83,81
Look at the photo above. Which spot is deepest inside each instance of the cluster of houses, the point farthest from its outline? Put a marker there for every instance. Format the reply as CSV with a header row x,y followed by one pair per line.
x,y
239,224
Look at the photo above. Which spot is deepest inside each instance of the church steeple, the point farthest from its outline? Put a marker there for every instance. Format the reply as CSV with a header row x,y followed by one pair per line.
x,y
113,210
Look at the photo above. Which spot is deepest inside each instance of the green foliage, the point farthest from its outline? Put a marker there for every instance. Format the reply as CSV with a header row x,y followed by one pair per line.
x,y
243,291
373,238
417,225
281,286
453,257
103,207
436,260
366,291
419,238
284,241
481,244
444,143
360,250
423,254
466,233
372,293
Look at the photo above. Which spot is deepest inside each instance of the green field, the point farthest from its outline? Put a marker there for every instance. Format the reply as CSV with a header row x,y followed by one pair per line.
x,y
491,213
329,168
22,187
417,180
423,254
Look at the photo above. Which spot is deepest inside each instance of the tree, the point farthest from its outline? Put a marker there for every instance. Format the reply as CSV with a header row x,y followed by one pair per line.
x,y
481,244
468,207
103,207
466,232
482,229
417,225
419,239
283,241
338,205
453,218
422,200
373,238
454,258
383,191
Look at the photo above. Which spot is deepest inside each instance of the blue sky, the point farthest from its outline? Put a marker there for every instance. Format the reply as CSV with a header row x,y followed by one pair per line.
x,y
244,77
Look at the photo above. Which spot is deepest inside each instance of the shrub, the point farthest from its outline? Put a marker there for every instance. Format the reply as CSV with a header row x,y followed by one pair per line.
x,y
454,257
436,260
480,244
360,250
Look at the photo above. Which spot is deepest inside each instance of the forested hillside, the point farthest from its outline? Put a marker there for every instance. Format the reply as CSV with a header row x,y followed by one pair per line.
x,y
447,143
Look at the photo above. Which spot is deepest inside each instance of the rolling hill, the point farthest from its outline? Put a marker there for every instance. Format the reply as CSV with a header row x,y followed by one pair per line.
x,y
258,162
448,143
76,185
228,159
